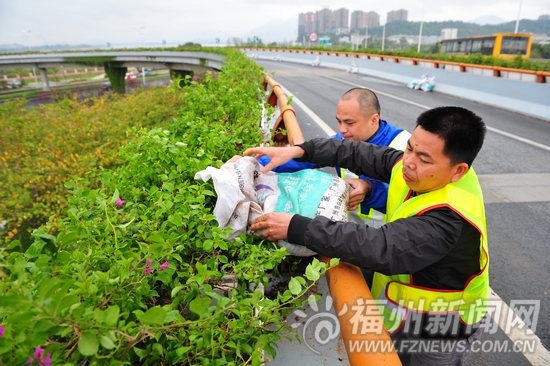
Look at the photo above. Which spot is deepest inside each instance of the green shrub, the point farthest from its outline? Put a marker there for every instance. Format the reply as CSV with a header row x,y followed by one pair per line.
x,y
134,271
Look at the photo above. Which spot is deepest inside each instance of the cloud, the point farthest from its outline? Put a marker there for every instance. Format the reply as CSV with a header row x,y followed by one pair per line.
x,y
177,21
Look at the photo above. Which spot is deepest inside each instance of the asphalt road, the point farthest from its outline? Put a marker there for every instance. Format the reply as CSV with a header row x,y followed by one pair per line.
x,y
514,170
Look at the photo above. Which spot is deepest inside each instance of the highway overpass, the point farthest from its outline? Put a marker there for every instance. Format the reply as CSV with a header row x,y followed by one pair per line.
x,y
116,63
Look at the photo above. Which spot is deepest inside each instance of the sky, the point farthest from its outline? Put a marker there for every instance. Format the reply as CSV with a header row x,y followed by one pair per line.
x,y
150,22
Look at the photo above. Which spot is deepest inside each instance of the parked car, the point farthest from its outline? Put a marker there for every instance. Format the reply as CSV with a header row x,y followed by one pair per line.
x,y
132,75
14,83
145,73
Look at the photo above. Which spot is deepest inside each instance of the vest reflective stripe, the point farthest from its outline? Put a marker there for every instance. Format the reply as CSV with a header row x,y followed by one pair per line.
x,y
465,198
399,142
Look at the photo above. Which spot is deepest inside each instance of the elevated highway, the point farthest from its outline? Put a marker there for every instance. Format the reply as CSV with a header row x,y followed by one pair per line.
x,y
116,63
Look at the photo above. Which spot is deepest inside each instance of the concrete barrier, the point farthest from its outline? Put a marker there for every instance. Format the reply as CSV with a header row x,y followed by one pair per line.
x,y
518,91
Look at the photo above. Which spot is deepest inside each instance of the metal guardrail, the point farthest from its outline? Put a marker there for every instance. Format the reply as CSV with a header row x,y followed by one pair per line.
x,y
346,282
287,118
496,71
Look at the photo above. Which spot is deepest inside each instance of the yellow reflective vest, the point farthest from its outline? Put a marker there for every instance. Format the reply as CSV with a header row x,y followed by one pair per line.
x,y
400,143
399,295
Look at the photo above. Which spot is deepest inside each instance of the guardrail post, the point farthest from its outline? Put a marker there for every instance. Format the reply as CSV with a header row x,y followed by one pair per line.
x,y
287,120
348,288
45,81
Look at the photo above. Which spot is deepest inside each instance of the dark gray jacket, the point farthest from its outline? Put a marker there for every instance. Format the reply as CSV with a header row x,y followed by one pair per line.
x,y
439,248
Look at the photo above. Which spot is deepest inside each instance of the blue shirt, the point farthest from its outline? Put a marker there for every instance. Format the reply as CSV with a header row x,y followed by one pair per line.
x,y
377,199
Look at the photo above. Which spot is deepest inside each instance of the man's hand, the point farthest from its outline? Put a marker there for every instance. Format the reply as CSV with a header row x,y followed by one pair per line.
x,y
273,226
278,155
361,189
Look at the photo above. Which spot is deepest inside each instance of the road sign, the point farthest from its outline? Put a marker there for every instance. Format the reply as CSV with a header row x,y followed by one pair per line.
x,y
217,40
313,37
256,39
163,42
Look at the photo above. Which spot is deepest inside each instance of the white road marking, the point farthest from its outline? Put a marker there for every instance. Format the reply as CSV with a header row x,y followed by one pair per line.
x,y
328,130
540,356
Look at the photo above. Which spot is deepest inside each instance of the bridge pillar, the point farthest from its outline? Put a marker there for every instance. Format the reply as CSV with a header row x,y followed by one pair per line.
x,y
116,75
180,74
45,81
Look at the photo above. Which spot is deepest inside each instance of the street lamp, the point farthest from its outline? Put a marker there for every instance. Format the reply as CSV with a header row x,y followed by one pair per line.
x,y
28,32
421,23
517,21
384,35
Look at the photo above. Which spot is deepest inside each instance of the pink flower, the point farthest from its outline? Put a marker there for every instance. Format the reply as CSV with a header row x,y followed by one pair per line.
x,y
165,265
119,202
48,360
39,357
148,268
1,331
38,353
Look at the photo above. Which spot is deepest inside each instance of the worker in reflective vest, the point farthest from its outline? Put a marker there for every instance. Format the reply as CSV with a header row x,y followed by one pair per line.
x,y
431,258
399,292
378,195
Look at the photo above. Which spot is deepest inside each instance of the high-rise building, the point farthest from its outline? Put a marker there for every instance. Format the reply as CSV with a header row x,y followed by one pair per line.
x,y
323,20
340,19
396,15
301,25
362,19
358,19
306,24
373,19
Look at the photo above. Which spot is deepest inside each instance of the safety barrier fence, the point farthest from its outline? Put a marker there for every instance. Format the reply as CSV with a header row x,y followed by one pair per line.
x,y
496,71
346,282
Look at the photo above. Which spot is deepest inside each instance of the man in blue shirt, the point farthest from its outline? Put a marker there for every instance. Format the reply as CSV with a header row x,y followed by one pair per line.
x,y
358,116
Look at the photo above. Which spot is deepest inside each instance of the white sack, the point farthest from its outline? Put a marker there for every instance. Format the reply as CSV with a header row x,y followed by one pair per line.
x,y
245,193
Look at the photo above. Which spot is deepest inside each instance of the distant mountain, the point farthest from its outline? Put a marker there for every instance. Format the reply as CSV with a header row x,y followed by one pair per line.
x,y
488,19
464,29
279,30
14,47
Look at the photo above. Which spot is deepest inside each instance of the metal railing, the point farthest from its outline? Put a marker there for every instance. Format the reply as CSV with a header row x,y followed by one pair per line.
x,y
346,282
